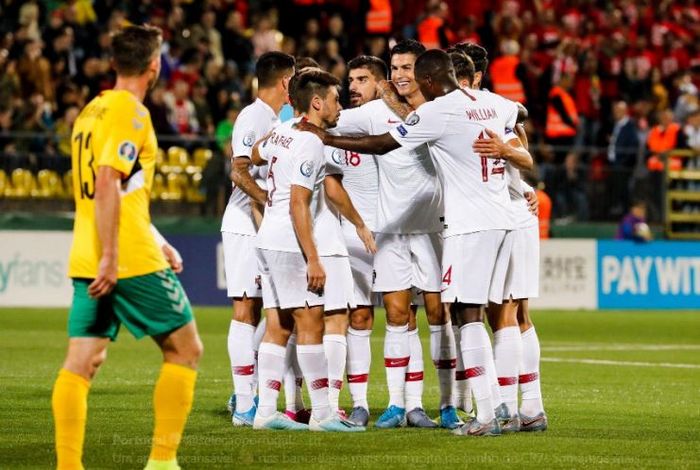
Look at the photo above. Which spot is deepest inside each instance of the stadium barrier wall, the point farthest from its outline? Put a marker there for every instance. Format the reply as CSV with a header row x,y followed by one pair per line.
x,y
574,273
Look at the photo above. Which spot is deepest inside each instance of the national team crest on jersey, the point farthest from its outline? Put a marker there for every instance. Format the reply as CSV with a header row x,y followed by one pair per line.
x,y
412,120
306,168
402,130
127,151
337,156
249,139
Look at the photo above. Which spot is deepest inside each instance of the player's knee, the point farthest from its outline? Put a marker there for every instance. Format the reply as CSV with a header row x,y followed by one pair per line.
x,y
336,323
397,315
244,311
361,319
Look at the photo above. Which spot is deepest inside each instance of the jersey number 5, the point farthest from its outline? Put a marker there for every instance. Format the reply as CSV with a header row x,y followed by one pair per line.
x,y
87,186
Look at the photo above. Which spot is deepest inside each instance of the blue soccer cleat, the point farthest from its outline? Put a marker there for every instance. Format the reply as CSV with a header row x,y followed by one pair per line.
x,y
449,418
393,417
279,422
231,403
333,423
244,419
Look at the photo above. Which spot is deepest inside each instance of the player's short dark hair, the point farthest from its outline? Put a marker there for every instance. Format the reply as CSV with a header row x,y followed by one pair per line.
x,y
464,66
306,62
133,49
434,62
310,83
476,53
272,66
375,65
407,46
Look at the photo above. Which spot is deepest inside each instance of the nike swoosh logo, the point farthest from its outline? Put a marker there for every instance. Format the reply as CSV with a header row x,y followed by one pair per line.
x,y
393,122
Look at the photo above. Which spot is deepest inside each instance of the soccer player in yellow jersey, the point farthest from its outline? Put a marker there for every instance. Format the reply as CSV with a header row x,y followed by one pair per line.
x,y
120,275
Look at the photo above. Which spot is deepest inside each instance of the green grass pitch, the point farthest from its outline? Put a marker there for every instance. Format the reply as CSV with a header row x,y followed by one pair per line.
x,y
622,389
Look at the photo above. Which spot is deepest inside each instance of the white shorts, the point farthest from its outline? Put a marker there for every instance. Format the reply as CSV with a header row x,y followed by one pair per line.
x,y
361,266
285,285
403,261
474,267
240,266
523,275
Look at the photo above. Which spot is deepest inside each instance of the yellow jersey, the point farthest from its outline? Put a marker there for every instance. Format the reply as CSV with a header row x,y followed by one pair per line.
x,y
114,130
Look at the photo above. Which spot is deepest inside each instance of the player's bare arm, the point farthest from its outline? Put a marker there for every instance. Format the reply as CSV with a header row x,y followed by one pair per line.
x,y
172,256
513,151
302,220
389,94
533,204
240,175
375,144
341,200
522,135
107,206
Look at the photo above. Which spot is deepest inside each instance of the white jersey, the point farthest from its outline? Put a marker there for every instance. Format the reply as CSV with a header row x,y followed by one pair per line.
x,y
254,122
410,197
476,190
360,180
296,158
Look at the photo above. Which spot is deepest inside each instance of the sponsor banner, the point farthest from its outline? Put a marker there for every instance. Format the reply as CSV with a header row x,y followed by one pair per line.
x,y
567,275
33,267
648,275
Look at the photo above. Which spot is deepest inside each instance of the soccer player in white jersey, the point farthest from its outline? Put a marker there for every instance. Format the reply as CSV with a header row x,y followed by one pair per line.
x,y
302,257
409,246
477,207
522,283
238,229
361,181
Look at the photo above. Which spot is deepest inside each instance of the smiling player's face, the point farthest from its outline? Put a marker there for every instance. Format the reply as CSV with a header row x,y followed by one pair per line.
x,y
402,73
362,86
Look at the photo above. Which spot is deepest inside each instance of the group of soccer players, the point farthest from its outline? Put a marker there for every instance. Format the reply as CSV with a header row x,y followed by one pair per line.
x,y
413,194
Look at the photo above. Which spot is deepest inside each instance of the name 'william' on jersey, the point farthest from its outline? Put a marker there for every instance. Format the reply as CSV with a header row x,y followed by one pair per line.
x,y
476,190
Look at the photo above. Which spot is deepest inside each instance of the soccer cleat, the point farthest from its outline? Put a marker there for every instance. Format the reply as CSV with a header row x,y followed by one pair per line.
x,y
533,423
231,403
474,428
333,424
417,418
449,418
244,419
393,417
509,423
278,421
359,416
162,465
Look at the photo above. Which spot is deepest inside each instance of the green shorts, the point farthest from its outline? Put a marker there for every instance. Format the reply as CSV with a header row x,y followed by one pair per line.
x,y
148,305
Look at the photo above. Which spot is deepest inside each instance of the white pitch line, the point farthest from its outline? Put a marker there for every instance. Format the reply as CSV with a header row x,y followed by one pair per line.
x,y
625,347
621,363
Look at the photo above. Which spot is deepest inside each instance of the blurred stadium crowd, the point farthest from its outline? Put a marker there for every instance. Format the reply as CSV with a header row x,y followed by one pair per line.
x,y
626,72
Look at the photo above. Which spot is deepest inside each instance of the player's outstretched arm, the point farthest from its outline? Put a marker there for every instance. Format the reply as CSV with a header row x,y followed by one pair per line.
x,y
388,93
375,144
240,175
513,151
341,200
172,256
107,206
300,200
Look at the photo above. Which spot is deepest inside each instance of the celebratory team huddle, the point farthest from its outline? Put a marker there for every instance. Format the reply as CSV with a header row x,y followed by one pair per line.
x,y
413,195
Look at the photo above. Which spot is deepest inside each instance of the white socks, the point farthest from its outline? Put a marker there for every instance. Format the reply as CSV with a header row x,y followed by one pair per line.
x,y
336,349
476,352
443,352
508,351
242,357
312,360
396,356
414,372
257,339
530,375
358,360
293,397
271,369
463,392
